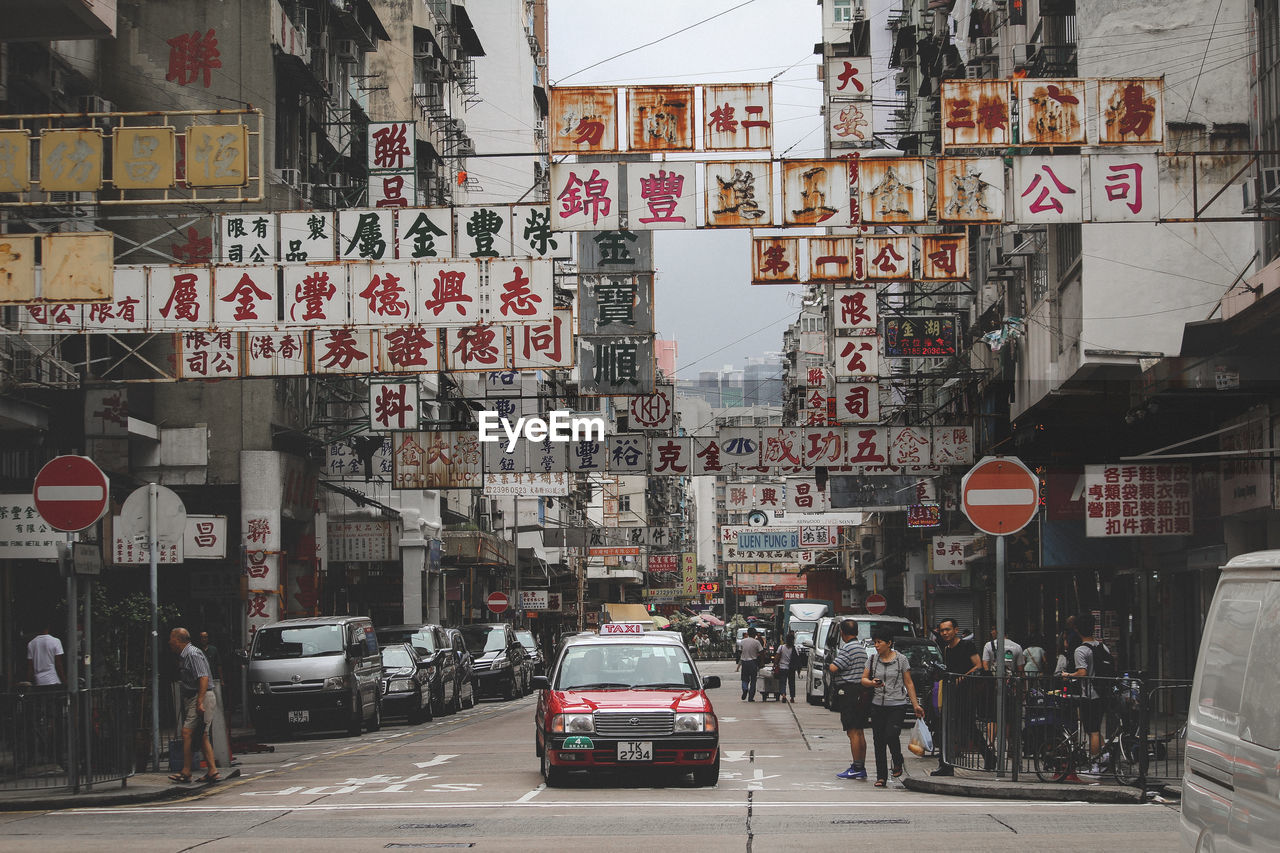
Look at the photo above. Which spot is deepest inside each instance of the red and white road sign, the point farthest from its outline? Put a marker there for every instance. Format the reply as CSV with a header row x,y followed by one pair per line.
x,y
71,493
876,603
497,602
1000,495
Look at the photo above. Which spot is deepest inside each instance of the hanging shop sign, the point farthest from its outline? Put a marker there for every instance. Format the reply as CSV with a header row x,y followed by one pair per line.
x,y
1137,499
920,336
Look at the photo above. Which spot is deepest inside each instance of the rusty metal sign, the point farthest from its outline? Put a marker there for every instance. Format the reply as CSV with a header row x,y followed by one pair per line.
x,y
850,124
71,160
893,190
143,158
17,268
975,113
737,116
888,258
15,161
1051,112
77,266
1131,111
854,309
830,258
970,189
775,260
217,155
660,118
944,257
815,192
584,120
849,78
739,194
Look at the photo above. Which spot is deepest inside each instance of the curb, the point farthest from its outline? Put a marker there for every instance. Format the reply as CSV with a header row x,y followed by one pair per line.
x,y
960,787
148,793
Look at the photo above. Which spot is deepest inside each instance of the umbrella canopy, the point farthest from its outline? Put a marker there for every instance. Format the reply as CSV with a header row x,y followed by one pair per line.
x,y
711,620
659,621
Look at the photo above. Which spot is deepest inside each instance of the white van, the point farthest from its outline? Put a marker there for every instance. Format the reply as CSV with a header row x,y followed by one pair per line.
x,y
1231,778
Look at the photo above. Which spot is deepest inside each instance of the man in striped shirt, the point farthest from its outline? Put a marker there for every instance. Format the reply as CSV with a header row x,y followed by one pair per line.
x,y
846,680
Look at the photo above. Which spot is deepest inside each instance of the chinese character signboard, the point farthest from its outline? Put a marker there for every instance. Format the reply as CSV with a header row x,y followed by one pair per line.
x,y
585,197
893,190
1124,188
143,158
920,336
584,120
738,116
1137,499
970,189
1047,189
660,118
739,194
975,113
663,196
948,553
775,260
393,406
815,192
1051,112
24,535
1131,111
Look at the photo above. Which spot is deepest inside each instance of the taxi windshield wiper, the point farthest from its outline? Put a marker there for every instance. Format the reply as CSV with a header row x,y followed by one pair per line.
x,y
599,685
673,685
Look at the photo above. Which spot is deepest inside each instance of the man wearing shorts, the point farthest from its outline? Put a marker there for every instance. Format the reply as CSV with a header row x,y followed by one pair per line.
x,y
198,704
846,680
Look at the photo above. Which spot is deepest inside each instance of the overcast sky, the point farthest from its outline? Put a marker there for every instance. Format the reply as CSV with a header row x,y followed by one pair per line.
x,y
703,296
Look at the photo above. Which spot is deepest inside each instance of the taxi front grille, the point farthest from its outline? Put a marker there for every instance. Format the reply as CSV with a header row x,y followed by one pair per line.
x,y
634,725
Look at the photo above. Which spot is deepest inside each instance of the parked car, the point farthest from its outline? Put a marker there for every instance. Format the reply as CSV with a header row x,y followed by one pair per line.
x,y
500,663
433,645
925,659
1232,769
406,683
465,671
321,672
530,644
626,702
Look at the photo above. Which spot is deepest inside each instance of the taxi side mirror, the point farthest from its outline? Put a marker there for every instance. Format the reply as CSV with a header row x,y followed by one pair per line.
x,y
540,682
710,682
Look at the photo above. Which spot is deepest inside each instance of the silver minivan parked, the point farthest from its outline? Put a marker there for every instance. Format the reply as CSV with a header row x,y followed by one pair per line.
x,y
1231,777
317,673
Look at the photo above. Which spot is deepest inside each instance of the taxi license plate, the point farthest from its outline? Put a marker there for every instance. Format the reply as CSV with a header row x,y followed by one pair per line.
x,y
299,716
635,750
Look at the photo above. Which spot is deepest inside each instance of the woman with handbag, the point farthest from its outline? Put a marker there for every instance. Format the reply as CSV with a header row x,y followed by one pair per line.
x,y
888,673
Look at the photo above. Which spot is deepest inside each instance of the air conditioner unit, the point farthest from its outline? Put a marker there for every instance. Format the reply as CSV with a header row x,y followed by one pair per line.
x,y
290,178
348,50
338,179
1269,183
94,104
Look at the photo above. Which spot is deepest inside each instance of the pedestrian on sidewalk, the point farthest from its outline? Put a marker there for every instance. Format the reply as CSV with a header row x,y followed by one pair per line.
x,y
1015,663
888,676
853,701
961,659
1092,706
785,666
198,703
749,652
45,658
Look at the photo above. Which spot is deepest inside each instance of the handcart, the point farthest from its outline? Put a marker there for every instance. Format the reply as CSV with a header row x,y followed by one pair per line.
x,y
770,684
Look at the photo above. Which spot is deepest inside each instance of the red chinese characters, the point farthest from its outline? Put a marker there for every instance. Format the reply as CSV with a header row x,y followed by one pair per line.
x,y
193,57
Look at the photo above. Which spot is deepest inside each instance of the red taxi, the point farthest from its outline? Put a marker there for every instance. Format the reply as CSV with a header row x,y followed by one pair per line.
x,y
626,699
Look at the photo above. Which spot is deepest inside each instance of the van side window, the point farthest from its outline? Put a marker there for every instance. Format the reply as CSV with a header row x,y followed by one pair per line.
x,y
1259,722
1232,627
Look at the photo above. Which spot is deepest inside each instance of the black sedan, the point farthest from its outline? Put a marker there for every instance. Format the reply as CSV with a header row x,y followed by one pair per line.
x,y
406,685
530,644
432,644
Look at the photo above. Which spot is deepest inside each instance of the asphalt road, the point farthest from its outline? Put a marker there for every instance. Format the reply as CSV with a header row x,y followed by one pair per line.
x,y
471,781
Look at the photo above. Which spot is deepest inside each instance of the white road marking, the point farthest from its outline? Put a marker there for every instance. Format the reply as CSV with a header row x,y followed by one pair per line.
x,y
535,792
435,762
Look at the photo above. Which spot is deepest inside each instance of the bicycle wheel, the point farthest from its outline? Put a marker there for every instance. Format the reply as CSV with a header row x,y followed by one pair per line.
x,y
1054,757
1125,755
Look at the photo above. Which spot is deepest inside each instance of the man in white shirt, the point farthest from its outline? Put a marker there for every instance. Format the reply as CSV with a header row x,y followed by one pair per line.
x,y
44,659
1015,664
750,651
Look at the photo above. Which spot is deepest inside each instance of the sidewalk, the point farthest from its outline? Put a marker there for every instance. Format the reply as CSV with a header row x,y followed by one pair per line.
x,y
139,788
985,785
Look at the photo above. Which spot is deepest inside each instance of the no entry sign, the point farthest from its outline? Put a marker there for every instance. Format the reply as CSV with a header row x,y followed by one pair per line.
x,y
876,603
497,602
1000,495
70,493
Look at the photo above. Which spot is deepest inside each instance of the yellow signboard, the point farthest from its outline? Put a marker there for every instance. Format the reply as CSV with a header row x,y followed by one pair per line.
x,y
217,155
689,574
17,268
77,266
15,161
142,158
71,160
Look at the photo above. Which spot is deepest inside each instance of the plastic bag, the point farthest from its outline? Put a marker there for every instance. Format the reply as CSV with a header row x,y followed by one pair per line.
x,y
921,739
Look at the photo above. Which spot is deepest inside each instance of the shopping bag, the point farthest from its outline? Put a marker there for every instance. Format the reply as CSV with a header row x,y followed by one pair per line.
x,y
921,739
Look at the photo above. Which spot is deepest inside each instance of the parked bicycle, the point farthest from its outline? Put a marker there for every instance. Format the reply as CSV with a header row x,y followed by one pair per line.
x,y
1061,750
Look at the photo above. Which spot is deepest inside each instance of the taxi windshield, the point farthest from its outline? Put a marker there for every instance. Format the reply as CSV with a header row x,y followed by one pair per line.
x,y
625,666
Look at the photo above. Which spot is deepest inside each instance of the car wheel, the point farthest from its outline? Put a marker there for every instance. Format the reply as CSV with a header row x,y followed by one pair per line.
x,y
553,776
537,744
709,775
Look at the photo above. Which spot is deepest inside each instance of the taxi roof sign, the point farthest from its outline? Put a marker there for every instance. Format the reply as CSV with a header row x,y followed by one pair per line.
x,y
622,628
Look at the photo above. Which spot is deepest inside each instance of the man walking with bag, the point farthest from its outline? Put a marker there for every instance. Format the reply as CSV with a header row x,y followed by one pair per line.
x,y
853,701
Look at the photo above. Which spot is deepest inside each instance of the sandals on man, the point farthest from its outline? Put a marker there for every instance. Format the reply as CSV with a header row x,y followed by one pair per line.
x,y
880,783
210,778
897,771
180,778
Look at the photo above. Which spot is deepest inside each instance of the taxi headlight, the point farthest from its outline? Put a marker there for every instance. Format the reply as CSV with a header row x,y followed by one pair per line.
x,y
573,724
695,723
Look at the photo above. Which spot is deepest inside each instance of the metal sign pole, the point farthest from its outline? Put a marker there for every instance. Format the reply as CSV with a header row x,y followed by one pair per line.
x,y
152,547
1001,685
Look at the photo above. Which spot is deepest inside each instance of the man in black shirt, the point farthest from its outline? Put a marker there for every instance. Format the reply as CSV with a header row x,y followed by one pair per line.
x,y
961,658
